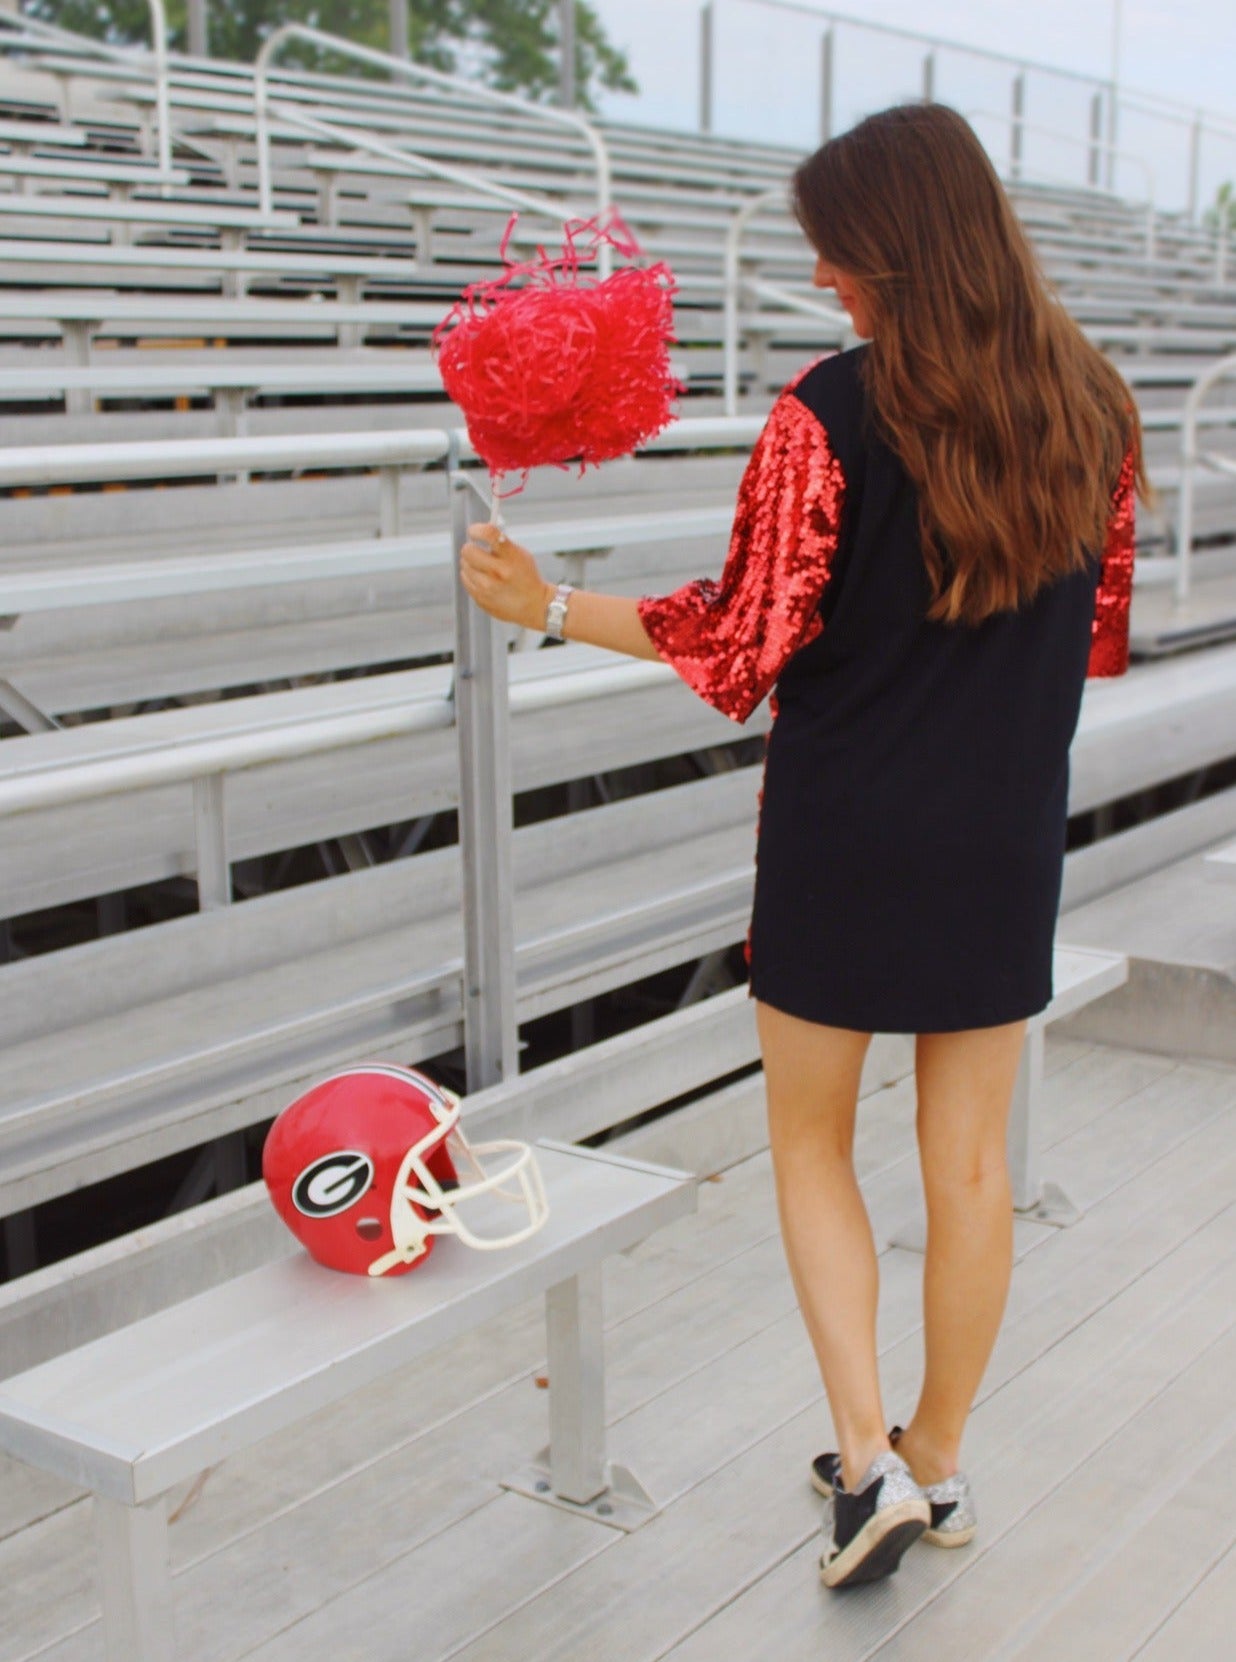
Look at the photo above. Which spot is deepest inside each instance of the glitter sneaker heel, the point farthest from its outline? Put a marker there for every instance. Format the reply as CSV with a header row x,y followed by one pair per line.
x,y
954,1519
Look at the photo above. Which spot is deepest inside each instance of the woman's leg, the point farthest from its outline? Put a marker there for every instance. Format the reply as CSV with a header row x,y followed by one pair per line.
x,y
965,1087
811,1074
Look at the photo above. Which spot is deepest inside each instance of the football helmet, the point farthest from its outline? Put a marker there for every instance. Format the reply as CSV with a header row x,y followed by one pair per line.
x,y
371,1164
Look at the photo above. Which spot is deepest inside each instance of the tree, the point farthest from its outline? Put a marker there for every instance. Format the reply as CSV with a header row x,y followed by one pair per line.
x,y
1221,215
512,44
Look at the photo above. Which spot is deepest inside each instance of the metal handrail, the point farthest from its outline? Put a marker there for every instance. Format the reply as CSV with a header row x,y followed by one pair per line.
x,y
1190,459
124,54
419,72
416,165
732,293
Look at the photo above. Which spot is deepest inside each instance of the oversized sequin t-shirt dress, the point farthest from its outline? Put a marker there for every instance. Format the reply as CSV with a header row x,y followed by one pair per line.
x,y
911,825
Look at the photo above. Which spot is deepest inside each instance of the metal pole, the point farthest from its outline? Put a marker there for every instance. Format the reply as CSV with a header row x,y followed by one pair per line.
x,y
399,29
566,53
706,62
199,30
1096,139
1015,127
1195,158
826,86
482,716
929,78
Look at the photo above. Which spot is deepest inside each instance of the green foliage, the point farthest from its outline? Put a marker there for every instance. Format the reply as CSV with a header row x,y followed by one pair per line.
x,y
1221,215
513,44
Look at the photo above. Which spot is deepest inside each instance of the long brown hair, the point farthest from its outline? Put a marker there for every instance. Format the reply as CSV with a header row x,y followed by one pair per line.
x,y
1011,425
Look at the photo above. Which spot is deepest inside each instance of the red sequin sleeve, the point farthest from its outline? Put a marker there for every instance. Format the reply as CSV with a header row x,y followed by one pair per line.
x,y
1109,632
729,639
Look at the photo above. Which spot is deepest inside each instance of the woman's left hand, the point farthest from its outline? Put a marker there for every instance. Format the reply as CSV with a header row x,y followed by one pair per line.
x,y
502,577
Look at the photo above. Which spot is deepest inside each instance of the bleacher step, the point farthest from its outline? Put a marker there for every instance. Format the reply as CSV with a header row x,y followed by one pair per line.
x,y
1177,927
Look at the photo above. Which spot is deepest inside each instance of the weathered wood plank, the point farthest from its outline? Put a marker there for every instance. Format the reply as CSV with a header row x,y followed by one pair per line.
x,y
1152,1554
1203,1623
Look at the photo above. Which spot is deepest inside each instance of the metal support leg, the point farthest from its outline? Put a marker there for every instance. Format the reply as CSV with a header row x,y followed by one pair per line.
x,y
214,872
77,333
572,1472
389,479
422,233
576,1387
1033,1195
135,1581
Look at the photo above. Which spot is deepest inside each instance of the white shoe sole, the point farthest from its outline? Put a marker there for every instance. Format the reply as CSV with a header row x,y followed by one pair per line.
x,y
878,1547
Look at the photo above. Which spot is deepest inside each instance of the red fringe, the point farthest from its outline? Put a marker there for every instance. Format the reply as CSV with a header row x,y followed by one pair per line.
x,y
563,368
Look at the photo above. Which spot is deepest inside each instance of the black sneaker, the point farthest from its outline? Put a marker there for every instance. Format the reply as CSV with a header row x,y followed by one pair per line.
x,y
953,1516
865,1533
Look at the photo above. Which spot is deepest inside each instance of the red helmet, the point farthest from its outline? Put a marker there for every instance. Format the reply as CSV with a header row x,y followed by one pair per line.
x,y
364,1169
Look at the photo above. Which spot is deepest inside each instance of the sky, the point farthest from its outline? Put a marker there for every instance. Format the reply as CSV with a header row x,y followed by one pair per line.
x,y
767,76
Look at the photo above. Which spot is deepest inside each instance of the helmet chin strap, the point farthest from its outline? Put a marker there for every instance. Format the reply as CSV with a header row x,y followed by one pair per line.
x,y
401,1255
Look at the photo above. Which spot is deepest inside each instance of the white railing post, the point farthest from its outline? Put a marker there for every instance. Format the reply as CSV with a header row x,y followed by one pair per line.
x,y
158,34
1189,460
929,77
731,297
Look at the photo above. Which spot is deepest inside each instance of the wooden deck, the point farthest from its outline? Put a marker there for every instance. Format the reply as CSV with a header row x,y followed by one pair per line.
x,y
1102,1449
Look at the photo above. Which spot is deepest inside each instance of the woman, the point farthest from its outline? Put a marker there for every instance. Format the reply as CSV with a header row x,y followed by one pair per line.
x,y
932,550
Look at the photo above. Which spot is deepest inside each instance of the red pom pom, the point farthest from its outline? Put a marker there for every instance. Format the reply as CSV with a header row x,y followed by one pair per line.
x,y
563,368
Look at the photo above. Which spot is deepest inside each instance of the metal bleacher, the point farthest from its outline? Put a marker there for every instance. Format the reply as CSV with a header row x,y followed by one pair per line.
x,y
238,833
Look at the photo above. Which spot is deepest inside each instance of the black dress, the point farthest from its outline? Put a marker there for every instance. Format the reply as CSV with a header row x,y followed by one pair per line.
x,y
912,817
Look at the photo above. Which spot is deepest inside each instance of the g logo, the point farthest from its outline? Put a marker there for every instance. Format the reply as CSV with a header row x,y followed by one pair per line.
x,y
332,1183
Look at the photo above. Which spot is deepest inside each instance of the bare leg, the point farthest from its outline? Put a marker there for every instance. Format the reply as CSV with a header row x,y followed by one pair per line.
x,y
965,1087
812,1075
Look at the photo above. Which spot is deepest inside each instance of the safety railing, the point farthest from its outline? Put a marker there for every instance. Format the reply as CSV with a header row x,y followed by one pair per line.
x,y
122,54
479,703
419,164
1191,459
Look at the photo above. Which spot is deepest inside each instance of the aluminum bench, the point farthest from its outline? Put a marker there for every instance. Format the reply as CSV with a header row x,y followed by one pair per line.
x,y
122,175
205,215
1221,865
131,1415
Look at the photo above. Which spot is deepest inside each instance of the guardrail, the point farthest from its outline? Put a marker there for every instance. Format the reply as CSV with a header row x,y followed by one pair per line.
x,y
415,163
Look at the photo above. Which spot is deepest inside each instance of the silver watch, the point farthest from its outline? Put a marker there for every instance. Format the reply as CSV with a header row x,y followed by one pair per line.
x,y
555,612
